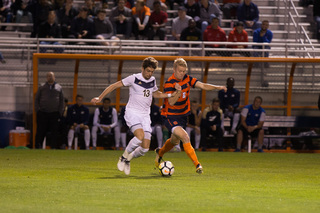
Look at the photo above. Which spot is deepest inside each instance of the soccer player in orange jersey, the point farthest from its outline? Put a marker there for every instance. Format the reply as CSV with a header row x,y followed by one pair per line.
x,y
176,110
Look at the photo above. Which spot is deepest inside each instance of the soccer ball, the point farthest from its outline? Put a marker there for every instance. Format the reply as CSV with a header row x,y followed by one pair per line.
x,y
166,168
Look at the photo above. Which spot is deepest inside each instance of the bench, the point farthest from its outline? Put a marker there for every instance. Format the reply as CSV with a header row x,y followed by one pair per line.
x,y
288,127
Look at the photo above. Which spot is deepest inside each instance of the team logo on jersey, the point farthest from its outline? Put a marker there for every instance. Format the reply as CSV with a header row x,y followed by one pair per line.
x,y
175,122
140,82
212,118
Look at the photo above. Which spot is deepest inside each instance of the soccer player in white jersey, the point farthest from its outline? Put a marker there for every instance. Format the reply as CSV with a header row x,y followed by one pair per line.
x,y
142,87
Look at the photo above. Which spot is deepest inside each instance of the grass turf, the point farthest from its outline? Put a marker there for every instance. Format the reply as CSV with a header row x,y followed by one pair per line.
x,y
88,181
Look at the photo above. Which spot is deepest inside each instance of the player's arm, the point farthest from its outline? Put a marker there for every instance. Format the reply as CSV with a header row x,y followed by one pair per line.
x,y
109,89
158,94
206,86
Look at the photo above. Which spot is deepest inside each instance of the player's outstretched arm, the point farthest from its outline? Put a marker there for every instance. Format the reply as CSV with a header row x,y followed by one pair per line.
x,y
206,86
159,94
109,89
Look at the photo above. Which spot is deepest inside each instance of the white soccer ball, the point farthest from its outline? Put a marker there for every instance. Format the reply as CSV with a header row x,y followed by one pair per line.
x,y
166,168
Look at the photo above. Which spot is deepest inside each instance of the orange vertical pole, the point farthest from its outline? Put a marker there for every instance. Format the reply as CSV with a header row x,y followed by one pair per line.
x,y
163,71
246,94
75,81
205,80
35,89
119,90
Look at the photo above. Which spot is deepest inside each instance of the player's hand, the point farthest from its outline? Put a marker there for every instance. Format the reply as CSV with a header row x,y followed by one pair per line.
x,y
177,86
230,108
106,128
95,100
250,128
223,88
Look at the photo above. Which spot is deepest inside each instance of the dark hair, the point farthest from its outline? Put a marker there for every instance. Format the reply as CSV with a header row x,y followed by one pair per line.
x,y
239,23
84,8
215,100
106,99
156,2
258,97
102,11
66,100
150,62
79,96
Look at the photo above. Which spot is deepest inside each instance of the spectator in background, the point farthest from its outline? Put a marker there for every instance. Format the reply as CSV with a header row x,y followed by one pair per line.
x,y
193,10
252,119
92,10
316,16
191,33
262,35
156,122
40,10
50,29
141,15
238,34
171,3
229,103
82,26
229,8
57,4
49,108
103,27
5,12
157,22
105,119
124,130
2,60
19,9
215,33
78,118
179,23
63,126
149,3
121,18
211,124
208,10
193,123
65,16
248,13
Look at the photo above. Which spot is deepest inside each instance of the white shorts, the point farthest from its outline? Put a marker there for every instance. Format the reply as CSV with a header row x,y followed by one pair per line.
x,y
134,118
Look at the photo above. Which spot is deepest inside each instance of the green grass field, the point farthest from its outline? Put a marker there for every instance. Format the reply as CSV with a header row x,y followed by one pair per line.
x,y
88,181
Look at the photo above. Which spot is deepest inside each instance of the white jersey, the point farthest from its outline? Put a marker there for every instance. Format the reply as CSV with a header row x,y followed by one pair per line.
x,y
140,93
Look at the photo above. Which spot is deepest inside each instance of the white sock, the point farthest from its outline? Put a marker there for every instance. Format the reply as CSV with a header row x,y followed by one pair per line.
x,y
87,137
197,140
133,144
123,139
70,137
94,135
117,136
138,152
235,121
159,135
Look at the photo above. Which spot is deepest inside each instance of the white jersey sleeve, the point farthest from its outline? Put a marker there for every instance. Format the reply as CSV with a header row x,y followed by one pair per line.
x,y
128,81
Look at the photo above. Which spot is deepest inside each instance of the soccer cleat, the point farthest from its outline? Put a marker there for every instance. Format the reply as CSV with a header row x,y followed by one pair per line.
x,y
127,167
237,150
260,150
158,158
121,163
199,169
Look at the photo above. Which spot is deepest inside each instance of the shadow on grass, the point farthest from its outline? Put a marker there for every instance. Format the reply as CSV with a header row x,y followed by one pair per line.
x,y
153,176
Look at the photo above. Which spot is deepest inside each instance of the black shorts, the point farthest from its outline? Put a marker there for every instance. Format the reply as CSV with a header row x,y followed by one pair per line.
x,y
173,121
253,134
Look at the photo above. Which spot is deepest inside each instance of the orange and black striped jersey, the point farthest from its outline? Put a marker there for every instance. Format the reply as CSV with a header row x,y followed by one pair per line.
x,y
182,106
